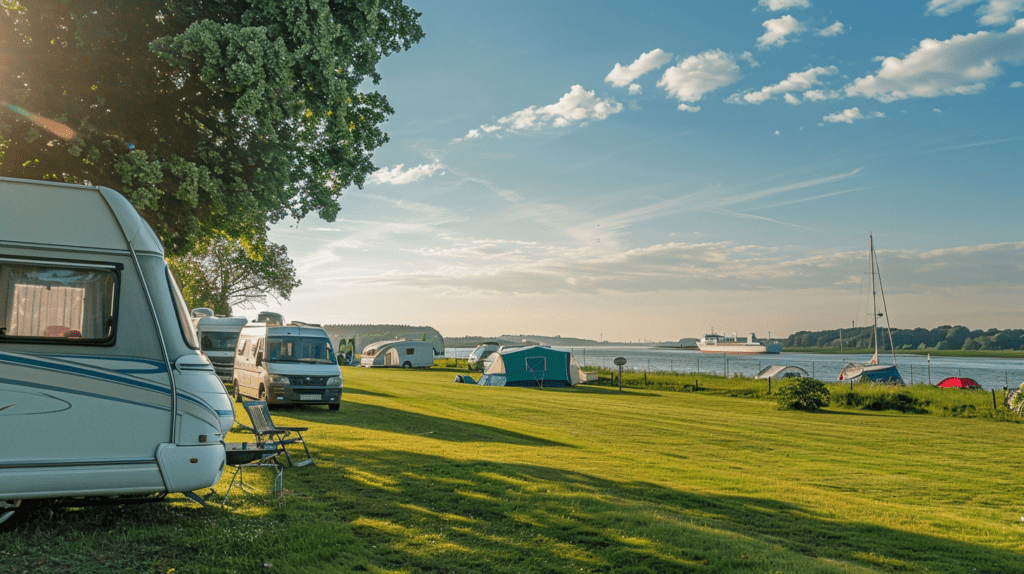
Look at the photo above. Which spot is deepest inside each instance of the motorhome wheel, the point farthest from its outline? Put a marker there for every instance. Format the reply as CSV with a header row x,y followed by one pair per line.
x,y
407,365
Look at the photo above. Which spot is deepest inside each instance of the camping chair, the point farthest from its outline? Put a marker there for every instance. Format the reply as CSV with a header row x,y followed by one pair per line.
x,y
268,433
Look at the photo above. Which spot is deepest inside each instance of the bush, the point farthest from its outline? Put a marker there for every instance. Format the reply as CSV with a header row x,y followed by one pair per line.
x,y
803,394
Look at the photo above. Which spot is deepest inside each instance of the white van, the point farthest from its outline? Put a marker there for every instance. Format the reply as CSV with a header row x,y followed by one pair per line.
x,y
406,354
287,364
103,390
218,337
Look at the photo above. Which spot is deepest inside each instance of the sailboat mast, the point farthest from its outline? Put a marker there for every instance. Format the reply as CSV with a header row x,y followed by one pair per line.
x,y
874,305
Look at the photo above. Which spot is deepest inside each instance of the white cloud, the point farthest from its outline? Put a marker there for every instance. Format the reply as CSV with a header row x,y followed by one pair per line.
x,y
776,31
578,105
796,81
1017,85
820,96
695,76
833,30
635,89
990,13
776,5
791,99
848,116
621,76
959,65
399,175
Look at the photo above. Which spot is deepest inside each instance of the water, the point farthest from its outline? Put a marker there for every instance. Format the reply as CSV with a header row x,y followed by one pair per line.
x,y
990,373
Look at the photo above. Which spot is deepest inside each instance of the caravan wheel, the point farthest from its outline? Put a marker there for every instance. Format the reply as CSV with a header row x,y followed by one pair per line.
x,y
407,365
7,512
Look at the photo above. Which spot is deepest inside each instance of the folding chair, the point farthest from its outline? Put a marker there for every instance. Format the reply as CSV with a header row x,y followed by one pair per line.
x,y
267,432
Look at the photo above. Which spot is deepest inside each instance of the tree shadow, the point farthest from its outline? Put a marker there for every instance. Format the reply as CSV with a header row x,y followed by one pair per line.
x,y
575,521
385,419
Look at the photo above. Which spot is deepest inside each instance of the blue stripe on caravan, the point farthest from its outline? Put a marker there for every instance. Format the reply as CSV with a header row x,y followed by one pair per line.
x,y
157,367
79,370
103,375
52,388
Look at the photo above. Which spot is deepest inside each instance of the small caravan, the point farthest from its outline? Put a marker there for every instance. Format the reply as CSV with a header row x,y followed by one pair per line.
x,y
406,354
217,339
287,364
103,389
482,351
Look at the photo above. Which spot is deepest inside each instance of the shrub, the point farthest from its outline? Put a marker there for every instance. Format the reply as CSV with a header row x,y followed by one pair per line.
x,y
804,394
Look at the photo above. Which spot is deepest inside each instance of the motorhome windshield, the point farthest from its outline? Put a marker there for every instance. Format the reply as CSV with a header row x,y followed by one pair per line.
x,y
58,302
289,349
218,340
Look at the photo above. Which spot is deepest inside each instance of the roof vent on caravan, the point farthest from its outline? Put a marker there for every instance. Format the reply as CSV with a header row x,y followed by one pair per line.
x,y
270,318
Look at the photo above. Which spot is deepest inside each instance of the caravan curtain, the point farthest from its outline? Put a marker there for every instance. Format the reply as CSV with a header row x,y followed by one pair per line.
x,y
43,301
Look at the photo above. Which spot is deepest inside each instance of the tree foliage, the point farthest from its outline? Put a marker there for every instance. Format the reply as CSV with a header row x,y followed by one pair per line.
x,y
945,337
224,274
211,117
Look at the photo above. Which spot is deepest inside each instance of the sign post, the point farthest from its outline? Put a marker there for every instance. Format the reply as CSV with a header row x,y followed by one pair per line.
x,y
620,361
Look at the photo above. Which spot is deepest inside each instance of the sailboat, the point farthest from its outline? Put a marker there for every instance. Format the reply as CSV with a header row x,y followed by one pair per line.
x,y
872,371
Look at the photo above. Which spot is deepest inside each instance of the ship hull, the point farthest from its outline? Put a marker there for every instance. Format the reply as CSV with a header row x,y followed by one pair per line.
x,y
740,348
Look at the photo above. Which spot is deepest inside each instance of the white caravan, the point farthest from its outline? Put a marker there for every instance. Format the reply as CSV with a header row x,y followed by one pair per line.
x,y
103,390
406,354
287,364
482,351
218,337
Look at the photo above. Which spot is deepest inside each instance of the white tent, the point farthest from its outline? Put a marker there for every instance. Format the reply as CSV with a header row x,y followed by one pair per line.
x,y
777,372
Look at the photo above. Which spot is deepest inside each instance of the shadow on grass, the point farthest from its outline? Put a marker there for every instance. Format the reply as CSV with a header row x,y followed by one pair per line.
x,y
379,418
391,510
553,520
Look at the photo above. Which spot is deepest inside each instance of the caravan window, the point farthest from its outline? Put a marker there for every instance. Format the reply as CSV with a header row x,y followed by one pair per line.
x,y
66,303
188,331
218,340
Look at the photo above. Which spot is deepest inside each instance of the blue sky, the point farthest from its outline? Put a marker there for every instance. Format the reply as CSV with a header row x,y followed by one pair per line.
x,y
656,170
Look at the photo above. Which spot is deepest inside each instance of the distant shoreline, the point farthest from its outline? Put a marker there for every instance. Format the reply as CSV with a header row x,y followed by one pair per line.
x,y
922,352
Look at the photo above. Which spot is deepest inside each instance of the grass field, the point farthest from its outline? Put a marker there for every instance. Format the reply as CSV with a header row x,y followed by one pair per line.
x,y
419,474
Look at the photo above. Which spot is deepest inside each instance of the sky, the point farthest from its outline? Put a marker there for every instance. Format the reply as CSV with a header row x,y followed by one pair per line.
x,y
650,171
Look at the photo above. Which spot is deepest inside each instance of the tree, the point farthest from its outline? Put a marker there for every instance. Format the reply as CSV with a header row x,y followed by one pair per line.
x,y
225,274
211,117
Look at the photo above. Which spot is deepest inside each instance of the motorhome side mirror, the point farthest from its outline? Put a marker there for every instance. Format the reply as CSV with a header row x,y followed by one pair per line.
x,y
259,358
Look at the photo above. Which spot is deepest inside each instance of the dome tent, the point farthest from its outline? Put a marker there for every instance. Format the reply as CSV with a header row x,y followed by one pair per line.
x,y
534,366
779,372
958,383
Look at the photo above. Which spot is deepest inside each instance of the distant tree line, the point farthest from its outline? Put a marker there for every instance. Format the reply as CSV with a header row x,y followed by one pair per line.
x,y
946,337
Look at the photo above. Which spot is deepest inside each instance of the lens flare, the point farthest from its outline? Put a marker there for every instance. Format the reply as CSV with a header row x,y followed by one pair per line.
x,y
56,128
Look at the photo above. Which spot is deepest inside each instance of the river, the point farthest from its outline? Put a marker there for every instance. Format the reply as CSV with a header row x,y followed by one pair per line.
x,y
990,373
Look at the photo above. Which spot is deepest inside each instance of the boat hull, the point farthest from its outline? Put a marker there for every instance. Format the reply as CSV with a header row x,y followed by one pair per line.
x,y
740,348
860,373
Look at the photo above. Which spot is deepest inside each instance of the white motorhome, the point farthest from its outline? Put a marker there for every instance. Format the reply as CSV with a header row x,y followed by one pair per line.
x,y
287,364
406,354
103,389
218,337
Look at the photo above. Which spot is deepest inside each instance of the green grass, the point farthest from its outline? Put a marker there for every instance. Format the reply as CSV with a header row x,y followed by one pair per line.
x,y
420,474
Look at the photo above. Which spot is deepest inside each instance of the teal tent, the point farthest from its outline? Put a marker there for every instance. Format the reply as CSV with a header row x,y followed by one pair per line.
x,y
535,366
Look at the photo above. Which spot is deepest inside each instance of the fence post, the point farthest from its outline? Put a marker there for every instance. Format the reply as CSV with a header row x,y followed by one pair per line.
x,y
993,399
